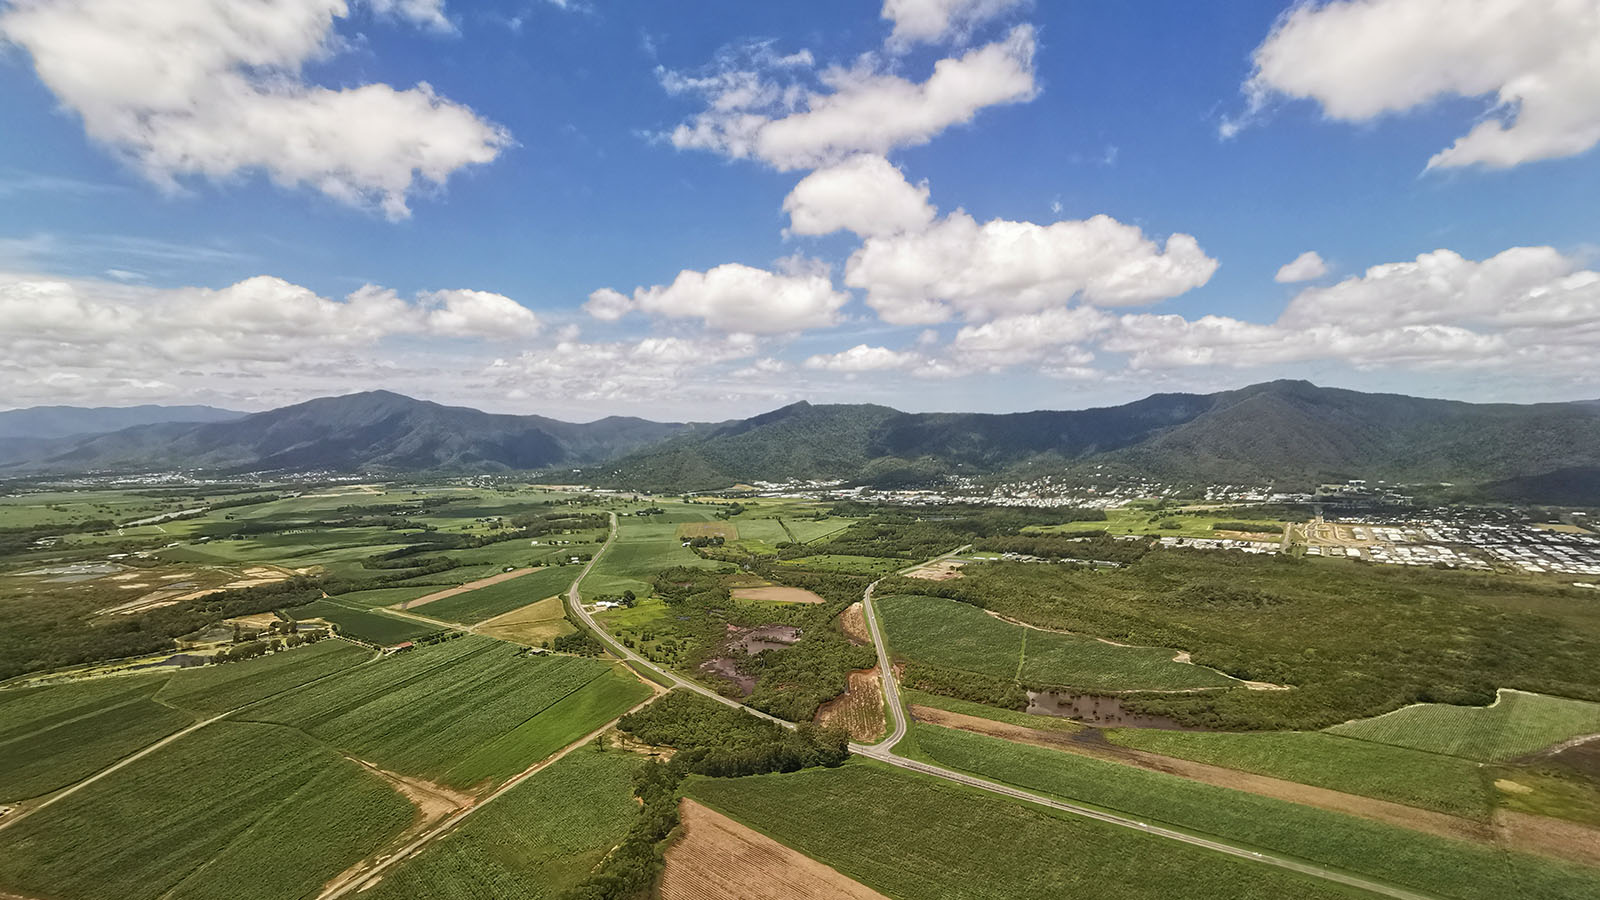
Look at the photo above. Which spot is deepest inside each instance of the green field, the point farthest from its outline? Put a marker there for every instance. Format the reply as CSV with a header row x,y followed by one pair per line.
x,y
1427,780
57,735
961,636
540,838
368,626
464,712
496,599
917,838
1516,725
386,596
1448,868
642,549
234,810
847,565
208,690
1159,523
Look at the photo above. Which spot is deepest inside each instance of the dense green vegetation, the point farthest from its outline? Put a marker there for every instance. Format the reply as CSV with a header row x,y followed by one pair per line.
x,y
237,810
542,837
1425,780
209,690
961,636
1448,868
1516,724
1352,640
364,625
461,712
922,839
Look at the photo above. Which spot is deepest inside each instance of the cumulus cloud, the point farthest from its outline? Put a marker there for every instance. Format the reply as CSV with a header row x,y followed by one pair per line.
x,y
1308,266
735,298
1057,335
930,21
864,358
1539,61
214,88
752,112
1527,309
977,271
865,194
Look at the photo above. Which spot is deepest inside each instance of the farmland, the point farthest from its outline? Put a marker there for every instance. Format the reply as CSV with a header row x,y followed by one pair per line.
x,y
912,837
179,824
1449,868
461,713
960,636
539,839
1516,724
210,690
365,625
534,625
497,599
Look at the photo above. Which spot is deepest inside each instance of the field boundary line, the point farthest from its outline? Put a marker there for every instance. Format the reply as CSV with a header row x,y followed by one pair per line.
x,y
369,877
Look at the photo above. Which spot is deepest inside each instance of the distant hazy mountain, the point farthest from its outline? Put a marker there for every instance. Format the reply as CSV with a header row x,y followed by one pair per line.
x,y
377,430
47,422
1284,430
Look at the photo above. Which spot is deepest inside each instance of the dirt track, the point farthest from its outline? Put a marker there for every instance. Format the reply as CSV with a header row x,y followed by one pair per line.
x,y
462,589
1090,742
716,858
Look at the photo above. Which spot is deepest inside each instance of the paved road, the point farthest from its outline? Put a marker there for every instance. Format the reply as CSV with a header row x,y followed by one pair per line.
x,y
883,751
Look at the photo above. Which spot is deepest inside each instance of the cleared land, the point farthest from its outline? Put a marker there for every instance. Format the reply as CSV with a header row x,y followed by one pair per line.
x,y
1515,725
464,713
914,837
540,838
776,594
532,625
716,858
277,819
1450,868
961,636
859,709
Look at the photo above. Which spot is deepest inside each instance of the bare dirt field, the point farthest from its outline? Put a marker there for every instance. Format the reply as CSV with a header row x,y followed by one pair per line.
x,y
776,594
531,625
716,858
859,709
943,570
1549,837
724,530
1090,742
853,622
462,589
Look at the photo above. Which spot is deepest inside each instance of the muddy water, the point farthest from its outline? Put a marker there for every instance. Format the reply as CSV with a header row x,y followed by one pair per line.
x,y
767,637
725,668
1094,710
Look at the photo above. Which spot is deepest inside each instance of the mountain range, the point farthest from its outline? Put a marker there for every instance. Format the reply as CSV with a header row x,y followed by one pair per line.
x,y
1288,431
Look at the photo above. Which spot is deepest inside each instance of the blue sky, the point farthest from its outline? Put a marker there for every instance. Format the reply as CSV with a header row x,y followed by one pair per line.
x,y
278,211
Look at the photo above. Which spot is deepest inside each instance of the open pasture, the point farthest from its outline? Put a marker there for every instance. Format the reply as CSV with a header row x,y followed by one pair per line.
x,y
540,838
846,565
1515,725
1445,867
365,625
961,636
532,625
922,839
256,812
464,712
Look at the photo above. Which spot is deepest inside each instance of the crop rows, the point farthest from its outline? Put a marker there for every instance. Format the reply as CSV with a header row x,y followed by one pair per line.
x,y
1517,724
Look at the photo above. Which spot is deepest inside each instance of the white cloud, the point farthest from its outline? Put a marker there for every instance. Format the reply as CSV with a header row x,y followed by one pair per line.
x,y
1029,338
733,297
1307,266
1528,310
865,194
863,109
864,358
478,314
1538,59
423,13
958,266
929,21
214,88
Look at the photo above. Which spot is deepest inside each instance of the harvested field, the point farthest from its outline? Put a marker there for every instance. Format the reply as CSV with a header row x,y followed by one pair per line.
x,y
531,625
725,530
943,570
853,622
1091,743
1549,837
716,858
859,709
462,589
776,594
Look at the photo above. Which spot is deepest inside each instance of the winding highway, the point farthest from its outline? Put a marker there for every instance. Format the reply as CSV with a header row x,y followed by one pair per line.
x,y
883,751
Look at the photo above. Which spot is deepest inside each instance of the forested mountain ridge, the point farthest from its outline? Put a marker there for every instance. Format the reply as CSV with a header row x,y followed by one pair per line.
x,y
1289,431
